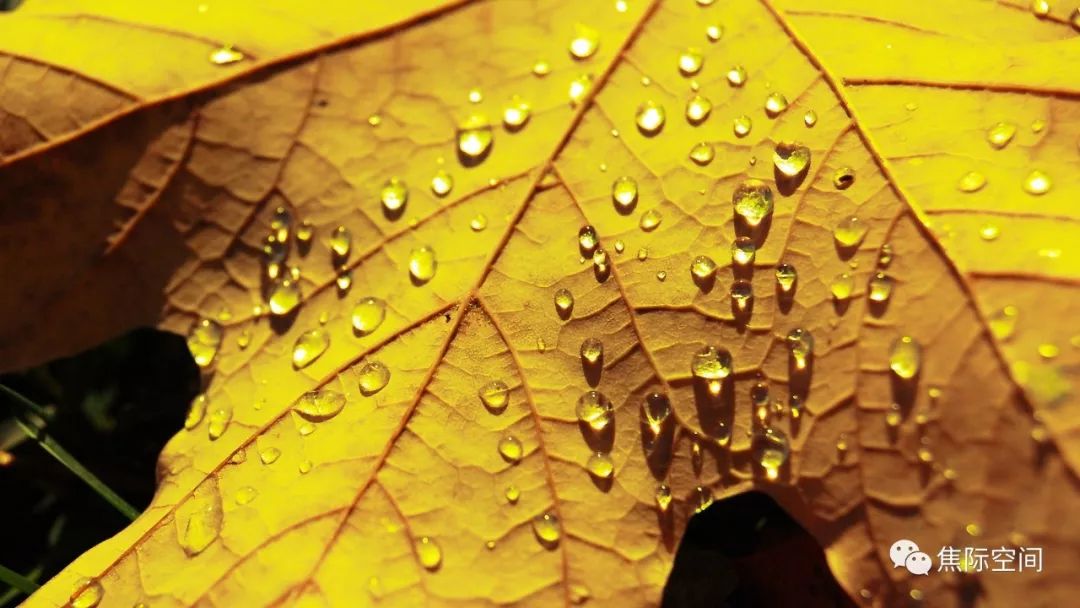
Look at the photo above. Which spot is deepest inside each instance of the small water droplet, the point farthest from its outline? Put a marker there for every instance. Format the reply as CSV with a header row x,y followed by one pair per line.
x,y
791,158
196,411
775,103
588,239
714,32
741,294
842,286
495,395
800,344
592,350
624,192
1037,183
422,264
541,68
925,455
1040,8
650,220
474,137
663,497
880,287
885,256
510,449
972,181
650,117
284,296
368,315
547,528
225,55
905,357
786,275
309,346
88,593
619,246
564,301
320,405
594,409
245,495
661,276
478,223
711,365
698,109
843,178
442,183
690,61
428,552
372,377
850,232
343,282
374,120
1048,350
702,153
753,201
989,232
703,268
204,340
475,95
394,195
585,42
771,450
656,408
743,251
304,232
218,421
600,466
516,113
999,135
198,519
810,118
742,125
512,494
703,498
736,76
579,88
269,455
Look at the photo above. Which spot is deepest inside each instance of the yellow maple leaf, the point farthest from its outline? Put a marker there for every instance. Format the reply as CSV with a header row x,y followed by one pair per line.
x,y
831,258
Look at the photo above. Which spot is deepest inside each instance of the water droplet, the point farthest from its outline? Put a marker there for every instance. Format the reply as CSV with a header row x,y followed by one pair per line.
x,y
374,120
842,286
478,223
885,256
753,201
309,346
1048,350
786,275
656,408
475,95
394,195
579,88
304,232
541,346
88,593
225,55
198,519
564,301
880,287
703,497
698,109
372,377
690,61
495,395
547,528
810,118
624,192
925,455
1037,183
989,232
428,552
516,113
442,183
703,268
512,494
843,178
905,356
541,68
510,448
650,220
320,405
741,126
196,411
743,251
771,449
619,246
800,343
245,495
663,497
650,117
741,293
1074,19
775,103
600,261
999,135
368,315
600,466
592,350
711,365
850,232
218,421
594,409
203,341
714,32
791,158
1040,8
269,455
588,239
422,264
702,153
474,137
736,76
971,181
585,42
661,276
284,296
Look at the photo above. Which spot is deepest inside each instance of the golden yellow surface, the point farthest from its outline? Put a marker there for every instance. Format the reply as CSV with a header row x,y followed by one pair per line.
x,y
145,147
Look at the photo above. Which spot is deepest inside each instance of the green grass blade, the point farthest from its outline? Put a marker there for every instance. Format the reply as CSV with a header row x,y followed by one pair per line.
x,y
58,452
18,581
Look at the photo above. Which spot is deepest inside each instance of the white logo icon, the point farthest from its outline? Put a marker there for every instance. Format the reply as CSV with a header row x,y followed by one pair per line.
x,y
900,550
918,563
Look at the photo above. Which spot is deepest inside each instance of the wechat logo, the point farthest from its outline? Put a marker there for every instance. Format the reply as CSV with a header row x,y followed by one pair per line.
x,y
906,554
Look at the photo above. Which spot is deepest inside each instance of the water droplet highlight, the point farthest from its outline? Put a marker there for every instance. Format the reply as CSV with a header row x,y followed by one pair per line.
x,y
495,395
585,42
800,344
624,192
600,466
843,178
592,350
711,365
394,195
320,405
743,251
850,232
594,409
428,552
1037,183
510,449
791,158
786,275
752,201
474,137
422,264
771,450
442,183
698,109
905,357
742,125
650,117
690,61
204,340
309,346
225,55
775,103
999,135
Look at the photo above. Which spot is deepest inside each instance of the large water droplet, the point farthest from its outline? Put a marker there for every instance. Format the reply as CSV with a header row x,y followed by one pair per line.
x,y
594,409
547,528
656,408
624,192
711,365
786,275
775,103
698,109
690,61
495,395
791,158
650,117
510,448
428,552
320,405
600,466
771,449
743,251
753,201
422,264
741,293
368,315
588,239
284,296
703,268
592,350
203,341
585,42
372,377
309,346
999,135
801,346
1037,183
474,137
198,519
905,357
850,232
650,220
736,76
742,125
394,195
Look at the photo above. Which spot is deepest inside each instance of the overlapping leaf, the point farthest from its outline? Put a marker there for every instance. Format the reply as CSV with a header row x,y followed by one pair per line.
x,y
153,206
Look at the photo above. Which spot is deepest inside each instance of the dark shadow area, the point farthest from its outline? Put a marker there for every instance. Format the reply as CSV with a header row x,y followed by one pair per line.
x,y
747,552
112,407
9,5
788,184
